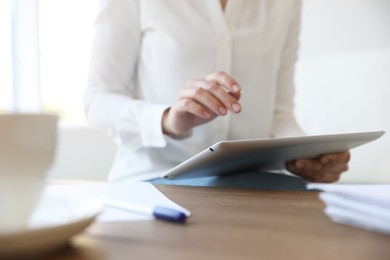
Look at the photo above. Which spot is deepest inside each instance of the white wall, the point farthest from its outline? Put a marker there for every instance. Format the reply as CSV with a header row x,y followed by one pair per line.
x,y
343,78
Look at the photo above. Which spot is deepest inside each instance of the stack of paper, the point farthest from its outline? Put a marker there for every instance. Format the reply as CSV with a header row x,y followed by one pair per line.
x,y
362,206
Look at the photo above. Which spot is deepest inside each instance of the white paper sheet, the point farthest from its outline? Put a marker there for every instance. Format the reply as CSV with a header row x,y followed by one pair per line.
x,y
365,218
142,193
379,193
353,204
362,206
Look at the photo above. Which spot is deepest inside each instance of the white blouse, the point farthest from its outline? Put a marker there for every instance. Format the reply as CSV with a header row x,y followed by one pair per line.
x,y
146,50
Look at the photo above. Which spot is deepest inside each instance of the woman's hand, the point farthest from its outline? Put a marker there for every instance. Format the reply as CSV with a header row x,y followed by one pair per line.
x,y
325,168
201,101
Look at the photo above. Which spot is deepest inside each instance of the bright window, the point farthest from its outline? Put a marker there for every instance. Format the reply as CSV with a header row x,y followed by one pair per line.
x,y
44,55
65,38
5,56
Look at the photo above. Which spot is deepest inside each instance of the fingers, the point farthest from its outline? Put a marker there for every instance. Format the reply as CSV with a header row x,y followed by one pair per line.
x,y
225,81
326,168
189,105
313,174
335,162
211,96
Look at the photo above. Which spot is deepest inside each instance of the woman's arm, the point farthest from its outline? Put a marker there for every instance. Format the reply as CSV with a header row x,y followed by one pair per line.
x,y
285,123
109,99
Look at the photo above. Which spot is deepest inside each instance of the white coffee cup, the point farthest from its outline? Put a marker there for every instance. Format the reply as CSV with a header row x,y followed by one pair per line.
x,y
27,150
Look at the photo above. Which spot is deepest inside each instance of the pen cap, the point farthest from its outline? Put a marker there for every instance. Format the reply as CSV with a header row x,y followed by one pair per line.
x,y
169,214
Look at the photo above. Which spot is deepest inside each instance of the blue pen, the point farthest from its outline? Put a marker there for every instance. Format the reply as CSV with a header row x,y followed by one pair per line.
x,y
158,212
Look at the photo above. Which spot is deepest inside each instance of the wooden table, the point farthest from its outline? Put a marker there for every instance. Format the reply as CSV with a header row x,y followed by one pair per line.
x,y
232,224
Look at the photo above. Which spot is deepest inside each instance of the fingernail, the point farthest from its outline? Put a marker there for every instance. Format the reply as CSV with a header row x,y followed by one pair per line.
x,y
300,165
324,160
236,107
236,88
222,110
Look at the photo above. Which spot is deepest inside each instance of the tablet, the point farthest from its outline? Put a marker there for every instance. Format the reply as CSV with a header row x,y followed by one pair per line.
x,y
270,153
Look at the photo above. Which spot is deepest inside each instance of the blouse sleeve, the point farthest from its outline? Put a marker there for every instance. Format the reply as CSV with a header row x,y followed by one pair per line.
x,y
285,123
109,101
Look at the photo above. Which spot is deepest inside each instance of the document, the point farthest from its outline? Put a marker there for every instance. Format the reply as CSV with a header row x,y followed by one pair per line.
x,y
140,193
361,206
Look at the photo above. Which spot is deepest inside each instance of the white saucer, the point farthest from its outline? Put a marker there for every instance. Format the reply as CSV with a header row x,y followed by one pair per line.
x,y
54,222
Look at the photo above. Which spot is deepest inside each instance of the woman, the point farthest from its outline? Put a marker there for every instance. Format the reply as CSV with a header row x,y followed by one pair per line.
x,y
168,78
